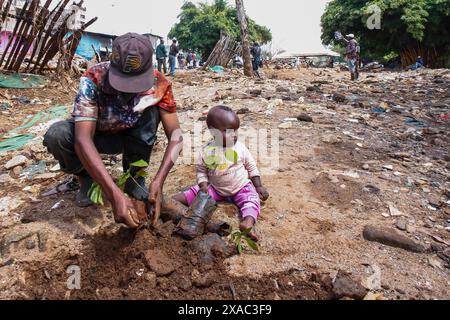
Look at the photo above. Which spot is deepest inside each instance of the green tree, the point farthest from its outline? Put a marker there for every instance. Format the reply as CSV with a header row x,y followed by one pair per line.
x,y
408,28
200,26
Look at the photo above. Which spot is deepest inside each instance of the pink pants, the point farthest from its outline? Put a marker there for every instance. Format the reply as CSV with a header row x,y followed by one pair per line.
x,y
247,200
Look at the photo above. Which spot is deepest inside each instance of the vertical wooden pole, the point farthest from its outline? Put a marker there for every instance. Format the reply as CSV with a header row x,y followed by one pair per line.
x,y
242,18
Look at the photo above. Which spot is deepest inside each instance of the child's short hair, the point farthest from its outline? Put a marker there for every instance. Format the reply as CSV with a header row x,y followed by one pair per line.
x,y
224,108
219,107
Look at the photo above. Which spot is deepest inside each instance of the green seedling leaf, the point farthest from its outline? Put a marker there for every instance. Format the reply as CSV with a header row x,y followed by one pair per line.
x,y
95,194
123,180
91,193
247,231
239,237
141,174
100,198
240,248
140,164
252,244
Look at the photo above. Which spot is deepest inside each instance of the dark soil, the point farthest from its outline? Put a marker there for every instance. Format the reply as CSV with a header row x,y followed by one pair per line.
x,y
113,266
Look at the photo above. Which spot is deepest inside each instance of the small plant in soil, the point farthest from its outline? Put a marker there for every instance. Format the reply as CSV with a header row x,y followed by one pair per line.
x,y
239,238
96,193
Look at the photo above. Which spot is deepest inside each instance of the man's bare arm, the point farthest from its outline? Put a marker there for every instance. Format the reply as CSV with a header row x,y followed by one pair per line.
x,y
172,129
90,158
92,162
173,132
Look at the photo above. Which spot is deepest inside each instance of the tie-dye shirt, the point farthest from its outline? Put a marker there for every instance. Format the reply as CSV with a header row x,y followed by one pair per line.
x,y
115,111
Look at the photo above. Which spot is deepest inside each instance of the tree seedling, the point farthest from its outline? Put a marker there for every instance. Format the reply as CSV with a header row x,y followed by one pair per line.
x,y
96,192
239,238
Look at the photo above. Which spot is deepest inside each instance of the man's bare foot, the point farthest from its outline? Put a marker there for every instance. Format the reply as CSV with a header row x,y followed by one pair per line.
x,y
249,223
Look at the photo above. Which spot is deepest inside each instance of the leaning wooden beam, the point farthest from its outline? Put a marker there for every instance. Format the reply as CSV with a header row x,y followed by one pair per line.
x,y
223,52
13,34
97,56
1,11
55,44
48,39
73,44
22,40
29,42
17,37
5,12
39,42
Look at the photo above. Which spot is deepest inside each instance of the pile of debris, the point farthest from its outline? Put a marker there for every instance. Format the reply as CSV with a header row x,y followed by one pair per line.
x,y
224,52
362,186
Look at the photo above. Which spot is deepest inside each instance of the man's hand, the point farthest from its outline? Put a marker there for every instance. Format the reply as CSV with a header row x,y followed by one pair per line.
x,y
263,193
156,199
124,211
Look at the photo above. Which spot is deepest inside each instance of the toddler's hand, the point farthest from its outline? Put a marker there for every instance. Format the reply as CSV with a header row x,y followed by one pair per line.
x,y
204,188
263,193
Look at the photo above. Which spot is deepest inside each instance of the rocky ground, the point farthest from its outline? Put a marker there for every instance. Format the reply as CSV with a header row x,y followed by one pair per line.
x,y
359,201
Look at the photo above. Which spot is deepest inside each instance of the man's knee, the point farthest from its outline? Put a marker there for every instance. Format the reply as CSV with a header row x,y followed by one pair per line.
x,y
60,134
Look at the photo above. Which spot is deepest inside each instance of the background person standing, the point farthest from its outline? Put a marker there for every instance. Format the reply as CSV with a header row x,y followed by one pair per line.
x,y
161,56
351,55
173,56
256,52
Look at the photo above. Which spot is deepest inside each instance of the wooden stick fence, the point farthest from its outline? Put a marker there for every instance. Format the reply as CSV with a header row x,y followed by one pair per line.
x,y
43,32
223,53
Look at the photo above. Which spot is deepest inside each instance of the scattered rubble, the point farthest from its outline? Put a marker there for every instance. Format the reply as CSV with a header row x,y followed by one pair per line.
x,y
305,118
159,262
15,162
344,286
391,238
351,154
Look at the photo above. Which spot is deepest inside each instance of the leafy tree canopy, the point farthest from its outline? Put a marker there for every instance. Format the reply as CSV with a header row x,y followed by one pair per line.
x,y
408,28
200,26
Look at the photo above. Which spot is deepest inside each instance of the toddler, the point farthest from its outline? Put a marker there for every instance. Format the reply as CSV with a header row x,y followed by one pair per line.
x,y
227,171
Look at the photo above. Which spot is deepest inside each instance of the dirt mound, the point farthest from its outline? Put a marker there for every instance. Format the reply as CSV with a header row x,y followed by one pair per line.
x,y
154,265
342,191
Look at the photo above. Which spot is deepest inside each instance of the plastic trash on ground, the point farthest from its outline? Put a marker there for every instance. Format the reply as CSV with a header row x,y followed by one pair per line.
x,y
217,69
33,170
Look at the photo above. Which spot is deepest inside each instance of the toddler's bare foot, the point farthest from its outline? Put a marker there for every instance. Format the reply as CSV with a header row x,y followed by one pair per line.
x,y
248,223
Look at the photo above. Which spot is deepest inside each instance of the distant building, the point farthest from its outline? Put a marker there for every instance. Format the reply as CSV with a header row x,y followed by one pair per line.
x,y
78,18
326,58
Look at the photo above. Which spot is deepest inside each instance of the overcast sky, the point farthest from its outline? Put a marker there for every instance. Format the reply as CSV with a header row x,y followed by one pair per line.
x,y
295,24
